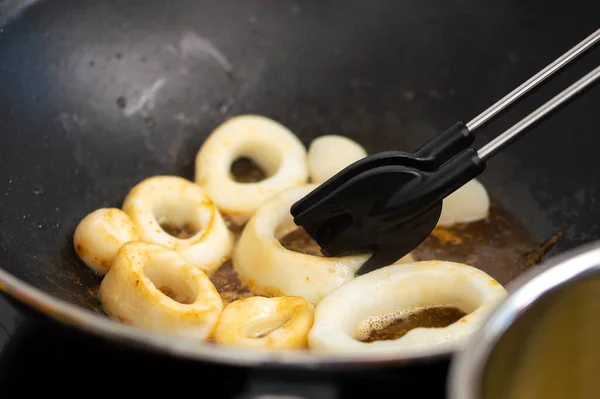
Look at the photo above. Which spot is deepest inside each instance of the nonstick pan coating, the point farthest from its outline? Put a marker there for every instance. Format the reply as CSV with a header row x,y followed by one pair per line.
x,y
95,96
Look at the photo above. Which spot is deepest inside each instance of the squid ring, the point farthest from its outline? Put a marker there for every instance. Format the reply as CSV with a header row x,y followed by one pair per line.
x,y
259,322
329,154
269,269
100,235
380,294
152,287
470,203
174,201
271,145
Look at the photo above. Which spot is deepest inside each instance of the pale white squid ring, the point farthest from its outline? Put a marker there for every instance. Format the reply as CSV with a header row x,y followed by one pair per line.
x,y
268,143
132,292
470,203
329,154
259,322
178,201
269,269
399,288
100,235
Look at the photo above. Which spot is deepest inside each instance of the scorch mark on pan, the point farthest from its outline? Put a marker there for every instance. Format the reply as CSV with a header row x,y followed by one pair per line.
x,y
71,122
147,99
185,120
191,45
75,128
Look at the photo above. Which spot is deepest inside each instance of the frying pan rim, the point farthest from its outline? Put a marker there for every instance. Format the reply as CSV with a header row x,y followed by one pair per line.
x,y
87,321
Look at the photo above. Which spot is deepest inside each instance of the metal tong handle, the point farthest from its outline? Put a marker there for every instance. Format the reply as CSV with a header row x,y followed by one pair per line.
x,y
510,135
535,80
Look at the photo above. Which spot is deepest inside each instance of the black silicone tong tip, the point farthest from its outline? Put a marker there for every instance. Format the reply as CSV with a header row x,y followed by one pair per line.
x,y
405,238
352,213
387,210
427,158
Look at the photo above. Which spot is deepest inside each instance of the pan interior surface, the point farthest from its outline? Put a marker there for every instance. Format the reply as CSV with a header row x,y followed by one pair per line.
x,y
96,96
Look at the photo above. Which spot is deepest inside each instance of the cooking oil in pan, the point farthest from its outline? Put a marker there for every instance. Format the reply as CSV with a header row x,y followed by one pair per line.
x,y
395,325
498,245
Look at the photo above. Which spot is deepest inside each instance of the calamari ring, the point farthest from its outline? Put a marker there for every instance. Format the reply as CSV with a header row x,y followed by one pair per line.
x,y
468,204
271,145
269,269
179,202
397,288
100,235
135,291
329,154
259,322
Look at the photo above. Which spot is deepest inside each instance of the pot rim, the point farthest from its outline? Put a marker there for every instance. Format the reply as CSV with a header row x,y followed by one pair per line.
x,y
101,326
468,365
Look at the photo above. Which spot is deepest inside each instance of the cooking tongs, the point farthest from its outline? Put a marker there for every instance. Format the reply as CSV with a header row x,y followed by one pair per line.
x,y
388,203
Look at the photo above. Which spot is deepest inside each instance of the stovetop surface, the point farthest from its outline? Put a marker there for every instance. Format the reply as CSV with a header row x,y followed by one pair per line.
x,y
35,354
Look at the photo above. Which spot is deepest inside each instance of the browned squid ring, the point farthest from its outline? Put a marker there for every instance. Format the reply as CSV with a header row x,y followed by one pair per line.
x,y
259,322
155,288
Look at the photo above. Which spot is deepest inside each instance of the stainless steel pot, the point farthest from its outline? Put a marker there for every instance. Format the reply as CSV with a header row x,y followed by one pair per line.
x,y
543,341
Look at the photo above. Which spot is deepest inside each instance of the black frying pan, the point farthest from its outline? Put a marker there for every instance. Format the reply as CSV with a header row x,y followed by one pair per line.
x,y
75,136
